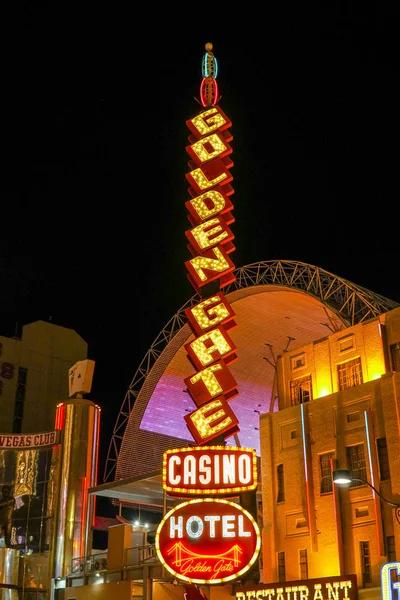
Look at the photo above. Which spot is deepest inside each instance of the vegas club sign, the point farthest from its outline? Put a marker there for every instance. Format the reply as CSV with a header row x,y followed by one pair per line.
x,y
209,539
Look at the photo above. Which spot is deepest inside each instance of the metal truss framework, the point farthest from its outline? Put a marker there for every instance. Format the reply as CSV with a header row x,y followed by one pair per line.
x,y
351,303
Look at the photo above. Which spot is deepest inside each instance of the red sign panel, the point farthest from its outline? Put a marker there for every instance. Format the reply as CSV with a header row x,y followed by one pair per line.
x,y
209,470
208,541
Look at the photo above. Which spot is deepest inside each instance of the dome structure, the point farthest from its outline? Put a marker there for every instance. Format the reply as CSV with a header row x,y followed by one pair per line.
x,y
279,306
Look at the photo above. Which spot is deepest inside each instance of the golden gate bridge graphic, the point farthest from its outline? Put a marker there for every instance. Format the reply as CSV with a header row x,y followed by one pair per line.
x,y
184,554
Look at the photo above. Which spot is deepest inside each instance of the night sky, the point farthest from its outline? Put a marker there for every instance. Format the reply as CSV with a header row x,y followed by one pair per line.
x,y
93,184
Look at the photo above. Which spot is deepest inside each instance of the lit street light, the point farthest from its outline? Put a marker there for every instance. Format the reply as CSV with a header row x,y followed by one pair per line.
x,y
343,477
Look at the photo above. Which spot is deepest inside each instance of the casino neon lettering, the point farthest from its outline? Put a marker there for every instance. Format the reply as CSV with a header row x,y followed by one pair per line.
x,y
210,242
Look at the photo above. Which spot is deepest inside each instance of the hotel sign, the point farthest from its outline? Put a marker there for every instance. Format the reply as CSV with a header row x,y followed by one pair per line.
x,y
209,470
324,588
208,541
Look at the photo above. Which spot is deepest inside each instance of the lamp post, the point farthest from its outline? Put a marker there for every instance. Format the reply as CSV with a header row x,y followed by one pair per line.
x,y
343,477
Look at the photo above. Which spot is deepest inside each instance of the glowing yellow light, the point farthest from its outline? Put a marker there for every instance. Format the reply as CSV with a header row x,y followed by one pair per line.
x,y
204,424
204,319
208,378
213,123
202,233
204,353
215,142
202,181
201,208
200,263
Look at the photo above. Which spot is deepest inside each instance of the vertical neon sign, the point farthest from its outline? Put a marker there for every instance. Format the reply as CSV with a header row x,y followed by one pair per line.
x,y
210,242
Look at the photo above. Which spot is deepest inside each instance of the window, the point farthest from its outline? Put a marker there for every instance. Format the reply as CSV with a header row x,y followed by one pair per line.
x,y
395,354
365,563
303,564
383,459
300,390
350,374
298,361
19,400
390,548
281,484
356,463
346,343
352,417
281,567
326,473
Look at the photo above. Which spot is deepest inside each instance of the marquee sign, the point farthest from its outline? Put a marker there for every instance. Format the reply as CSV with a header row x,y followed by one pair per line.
x,y
210,242
208,541
341,587
209,470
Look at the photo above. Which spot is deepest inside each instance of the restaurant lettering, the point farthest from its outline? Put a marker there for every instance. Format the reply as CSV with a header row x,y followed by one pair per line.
x,y
327,588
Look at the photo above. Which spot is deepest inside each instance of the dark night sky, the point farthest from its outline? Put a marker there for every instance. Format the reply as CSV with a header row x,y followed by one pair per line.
x,y
94,133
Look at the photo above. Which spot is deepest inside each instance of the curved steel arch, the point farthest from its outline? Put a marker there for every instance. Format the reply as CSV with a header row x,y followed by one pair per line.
x,y
350,302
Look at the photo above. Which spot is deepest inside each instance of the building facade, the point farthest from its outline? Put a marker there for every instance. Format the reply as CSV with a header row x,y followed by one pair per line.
x,y
34,375
34,385
339,408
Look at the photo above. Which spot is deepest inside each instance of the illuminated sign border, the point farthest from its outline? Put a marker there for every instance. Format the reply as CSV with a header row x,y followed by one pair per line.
x,y
181,490
210,501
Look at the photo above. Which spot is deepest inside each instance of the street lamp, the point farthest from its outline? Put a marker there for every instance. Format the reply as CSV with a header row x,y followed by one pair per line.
x,y
343,476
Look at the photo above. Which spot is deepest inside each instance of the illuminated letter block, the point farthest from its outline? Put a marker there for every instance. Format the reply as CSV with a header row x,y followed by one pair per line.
x,y
210,383
211,203
211,420
212,265
210,347
208,176
209,234
208,121
209,313
208,148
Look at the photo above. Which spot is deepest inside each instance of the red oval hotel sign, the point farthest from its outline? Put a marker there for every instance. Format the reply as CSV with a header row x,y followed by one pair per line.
x,y
208,541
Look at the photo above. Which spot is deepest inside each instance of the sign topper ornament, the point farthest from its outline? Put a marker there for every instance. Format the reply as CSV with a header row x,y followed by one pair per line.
x,y
80,378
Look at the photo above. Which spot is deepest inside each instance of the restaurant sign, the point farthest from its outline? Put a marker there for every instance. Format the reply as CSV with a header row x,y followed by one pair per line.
x,y
208,541
341,587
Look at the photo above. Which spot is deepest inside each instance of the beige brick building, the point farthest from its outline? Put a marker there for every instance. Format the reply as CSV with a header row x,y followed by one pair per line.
x,y
339,408
34,375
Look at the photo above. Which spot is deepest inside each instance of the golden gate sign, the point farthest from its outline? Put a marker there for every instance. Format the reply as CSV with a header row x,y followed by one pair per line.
x,y
209,540
210,241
